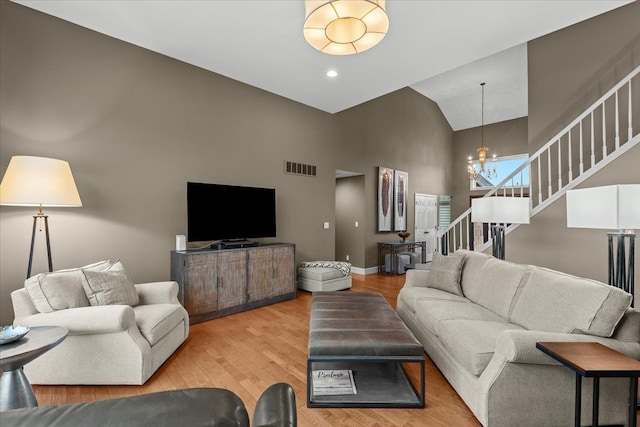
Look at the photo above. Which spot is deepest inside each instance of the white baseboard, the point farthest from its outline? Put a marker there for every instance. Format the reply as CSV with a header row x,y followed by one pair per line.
x,y
364,271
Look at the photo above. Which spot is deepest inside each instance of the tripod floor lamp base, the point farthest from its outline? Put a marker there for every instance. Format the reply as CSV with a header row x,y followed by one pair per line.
x,y
37,217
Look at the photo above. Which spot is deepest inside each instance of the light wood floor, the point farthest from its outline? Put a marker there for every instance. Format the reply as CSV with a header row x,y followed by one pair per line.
x,y
249,351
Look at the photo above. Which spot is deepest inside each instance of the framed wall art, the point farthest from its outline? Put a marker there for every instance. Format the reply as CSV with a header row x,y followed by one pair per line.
x,y
385,199
400,197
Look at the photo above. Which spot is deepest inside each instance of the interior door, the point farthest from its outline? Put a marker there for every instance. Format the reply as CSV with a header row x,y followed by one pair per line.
x,y
426,221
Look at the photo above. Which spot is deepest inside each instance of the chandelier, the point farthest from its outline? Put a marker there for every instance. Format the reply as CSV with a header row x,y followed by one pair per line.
x,y
344,27
472,172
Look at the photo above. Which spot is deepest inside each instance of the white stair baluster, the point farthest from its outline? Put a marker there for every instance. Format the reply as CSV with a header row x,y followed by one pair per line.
x,y
539,183
581,151
630,115
570,159
550,193
617,123
468,228
604,132
593,143
559,165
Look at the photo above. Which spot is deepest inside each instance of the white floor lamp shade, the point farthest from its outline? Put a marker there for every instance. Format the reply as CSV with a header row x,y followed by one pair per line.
x,y
500,211
39,181
611,207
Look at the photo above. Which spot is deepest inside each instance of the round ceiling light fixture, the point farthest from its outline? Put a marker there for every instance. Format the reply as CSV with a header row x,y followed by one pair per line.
x,y
345,27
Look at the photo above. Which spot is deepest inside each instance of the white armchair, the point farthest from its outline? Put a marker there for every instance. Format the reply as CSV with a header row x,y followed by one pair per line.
x,y
108,344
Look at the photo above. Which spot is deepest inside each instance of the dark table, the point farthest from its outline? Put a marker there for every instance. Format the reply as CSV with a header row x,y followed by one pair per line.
x,y
393,249
15,390
594,360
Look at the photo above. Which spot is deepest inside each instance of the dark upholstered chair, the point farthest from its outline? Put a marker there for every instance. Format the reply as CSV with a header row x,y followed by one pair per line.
x,y
190,407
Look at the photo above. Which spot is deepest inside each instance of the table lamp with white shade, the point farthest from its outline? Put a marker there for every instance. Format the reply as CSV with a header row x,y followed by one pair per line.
x,y
611,207
41,182
500,211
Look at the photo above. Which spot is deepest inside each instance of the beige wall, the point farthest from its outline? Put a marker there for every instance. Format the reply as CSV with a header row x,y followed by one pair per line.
x,y
504,139
406,131
350,196
568,70
135,127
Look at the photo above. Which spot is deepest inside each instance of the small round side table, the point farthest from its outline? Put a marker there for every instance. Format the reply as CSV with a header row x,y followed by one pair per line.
x,y
15,390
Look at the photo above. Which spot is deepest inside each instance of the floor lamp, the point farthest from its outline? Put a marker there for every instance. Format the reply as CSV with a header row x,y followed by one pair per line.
x,y
500,211
40,182
612,207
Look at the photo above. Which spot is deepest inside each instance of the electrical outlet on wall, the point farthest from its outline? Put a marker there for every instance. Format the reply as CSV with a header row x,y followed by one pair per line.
x,y
347,257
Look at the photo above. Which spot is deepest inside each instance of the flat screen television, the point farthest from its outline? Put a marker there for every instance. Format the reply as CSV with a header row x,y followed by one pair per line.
x,y
229,212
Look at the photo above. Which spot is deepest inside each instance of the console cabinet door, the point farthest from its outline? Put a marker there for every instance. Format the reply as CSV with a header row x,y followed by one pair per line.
x,y
284,281
200,288
260,280
232,279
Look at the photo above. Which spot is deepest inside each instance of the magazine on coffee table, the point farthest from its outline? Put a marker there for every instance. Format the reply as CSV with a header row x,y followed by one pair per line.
x,y
331,382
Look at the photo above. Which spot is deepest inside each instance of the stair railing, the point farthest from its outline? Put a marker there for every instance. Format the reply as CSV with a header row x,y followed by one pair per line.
x,y
589,143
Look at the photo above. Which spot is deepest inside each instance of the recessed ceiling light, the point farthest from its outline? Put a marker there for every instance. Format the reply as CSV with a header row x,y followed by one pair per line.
x,y
332,73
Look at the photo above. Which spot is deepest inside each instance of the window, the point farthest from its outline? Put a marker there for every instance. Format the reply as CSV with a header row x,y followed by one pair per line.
x,y
444,211
503,167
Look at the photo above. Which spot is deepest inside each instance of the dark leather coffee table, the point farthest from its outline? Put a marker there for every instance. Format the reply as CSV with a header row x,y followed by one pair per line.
x,y
359,331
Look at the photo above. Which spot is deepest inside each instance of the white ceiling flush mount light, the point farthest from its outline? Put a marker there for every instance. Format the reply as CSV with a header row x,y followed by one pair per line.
x,y
345,27
332,73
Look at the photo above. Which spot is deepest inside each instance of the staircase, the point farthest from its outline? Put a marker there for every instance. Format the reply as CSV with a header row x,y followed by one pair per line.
x,y
598,136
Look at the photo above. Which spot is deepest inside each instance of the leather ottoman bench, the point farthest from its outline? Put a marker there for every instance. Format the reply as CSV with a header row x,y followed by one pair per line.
x,y
361,333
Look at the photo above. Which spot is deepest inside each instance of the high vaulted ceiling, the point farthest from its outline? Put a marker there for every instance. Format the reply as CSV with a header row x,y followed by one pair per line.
x,y
442,49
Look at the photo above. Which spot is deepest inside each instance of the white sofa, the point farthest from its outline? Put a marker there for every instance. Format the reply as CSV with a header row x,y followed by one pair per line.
x,y
107,344
482,336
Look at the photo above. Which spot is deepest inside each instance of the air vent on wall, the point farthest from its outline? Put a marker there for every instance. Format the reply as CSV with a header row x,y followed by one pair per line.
x,y
295,168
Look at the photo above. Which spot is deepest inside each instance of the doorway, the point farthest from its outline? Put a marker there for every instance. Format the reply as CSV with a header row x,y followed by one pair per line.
x,y
350,218
426,222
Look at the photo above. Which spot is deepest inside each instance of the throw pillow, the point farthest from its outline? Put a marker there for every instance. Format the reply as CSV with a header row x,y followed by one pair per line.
x,y
61,289
110,287
445,273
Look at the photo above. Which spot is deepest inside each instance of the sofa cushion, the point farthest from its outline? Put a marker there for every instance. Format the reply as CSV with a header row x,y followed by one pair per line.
x,y
445,273
412,295
61,289
498,284
431,313
472,342
473,263
557,302
110,287
155,321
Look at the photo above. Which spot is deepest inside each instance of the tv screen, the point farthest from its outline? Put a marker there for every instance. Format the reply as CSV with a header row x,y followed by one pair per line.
x,y
227,212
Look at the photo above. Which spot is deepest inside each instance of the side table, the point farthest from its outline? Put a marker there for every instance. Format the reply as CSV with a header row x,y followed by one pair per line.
x,y
590,359
15,390
392,248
